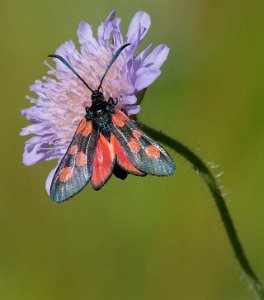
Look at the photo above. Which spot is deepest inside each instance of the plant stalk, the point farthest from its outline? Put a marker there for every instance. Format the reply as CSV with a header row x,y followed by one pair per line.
x,y
206,174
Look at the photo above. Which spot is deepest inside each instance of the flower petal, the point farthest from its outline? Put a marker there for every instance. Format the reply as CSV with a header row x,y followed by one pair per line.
x,y
49,179
105,29
32,154
85,34
31,129
145,77
117,35
144,53
157,57
130,100
138,27
133,110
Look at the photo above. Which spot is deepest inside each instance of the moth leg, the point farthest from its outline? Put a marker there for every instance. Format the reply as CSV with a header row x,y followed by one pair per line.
x,y
112,101
124,111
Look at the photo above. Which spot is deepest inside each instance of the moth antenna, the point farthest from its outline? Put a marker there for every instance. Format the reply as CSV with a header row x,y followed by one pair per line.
x,y
71,68
111,62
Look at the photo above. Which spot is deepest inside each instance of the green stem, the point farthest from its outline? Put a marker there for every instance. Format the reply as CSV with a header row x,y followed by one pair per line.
x,y
211,182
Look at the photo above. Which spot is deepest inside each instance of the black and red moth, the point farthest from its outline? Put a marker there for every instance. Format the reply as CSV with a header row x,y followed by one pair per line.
x,y
106,141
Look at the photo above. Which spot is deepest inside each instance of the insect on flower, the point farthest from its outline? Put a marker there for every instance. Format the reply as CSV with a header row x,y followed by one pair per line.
x,y
106,140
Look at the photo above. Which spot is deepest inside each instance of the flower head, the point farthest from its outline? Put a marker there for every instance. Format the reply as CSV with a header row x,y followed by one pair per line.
x,y
62,97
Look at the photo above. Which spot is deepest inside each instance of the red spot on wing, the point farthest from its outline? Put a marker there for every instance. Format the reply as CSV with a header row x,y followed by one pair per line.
x,y
87,129
117,122
73,150
103,162
81,126
65,174
122,115
152,152
136,133
134,145
81,159
122,158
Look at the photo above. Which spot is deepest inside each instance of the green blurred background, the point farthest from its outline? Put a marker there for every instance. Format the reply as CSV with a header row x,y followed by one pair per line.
x,y
144,238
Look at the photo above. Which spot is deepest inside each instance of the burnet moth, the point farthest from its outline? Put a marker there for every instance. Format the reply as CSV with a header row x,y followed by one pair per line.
x,y
106,141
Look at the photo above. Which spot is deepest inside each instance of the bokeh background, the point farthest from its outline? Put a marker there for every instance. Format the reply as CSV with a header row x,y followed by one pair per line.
x,y
144,238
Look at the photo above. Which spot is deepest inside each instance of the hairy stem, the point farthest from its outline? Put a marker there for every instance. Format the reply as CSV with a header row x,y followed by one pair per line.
x,y
212,184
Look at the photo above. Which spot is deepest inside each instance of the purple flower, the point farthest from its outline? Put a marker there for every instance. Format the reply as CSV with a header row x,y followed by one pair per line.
x,y
62,97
